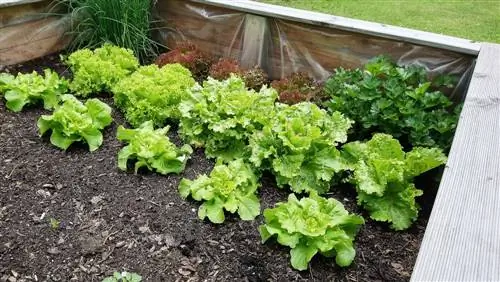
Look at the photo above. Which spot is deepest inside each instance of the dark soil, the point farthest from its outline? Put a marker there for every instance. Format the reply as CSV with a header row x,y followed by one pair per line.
x,y
106,220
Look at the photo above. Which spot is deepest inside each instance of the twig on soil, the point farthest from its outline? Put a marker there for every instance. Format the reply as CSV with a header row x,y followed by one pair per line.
x,y
106,255
12,171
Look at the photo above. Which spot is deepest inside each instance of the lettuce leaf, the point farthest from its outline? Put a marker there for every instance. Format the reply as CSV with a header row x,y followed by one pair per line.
x,y
299,146
230,187
73,121
313,224
99,70
152,149
31,88
153,93
221,116
383,175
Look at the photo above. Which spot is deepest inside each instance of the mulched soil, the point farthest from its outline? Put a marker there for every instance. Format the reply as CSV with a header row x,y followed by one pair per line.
x,y
110,220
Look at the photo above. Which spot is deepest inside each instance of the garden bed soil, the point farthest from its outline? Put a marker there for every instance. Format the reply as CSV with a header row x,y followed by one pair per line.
x,y
107,220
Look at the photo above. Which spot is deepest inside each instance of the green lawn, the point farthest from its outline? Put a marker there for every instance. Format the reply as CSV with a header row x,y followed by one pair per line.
x,y
471,19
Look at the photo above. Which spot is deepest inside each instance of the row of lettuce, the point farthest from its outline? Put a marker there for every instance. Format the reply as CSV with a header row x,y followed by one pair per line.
x,y
250,132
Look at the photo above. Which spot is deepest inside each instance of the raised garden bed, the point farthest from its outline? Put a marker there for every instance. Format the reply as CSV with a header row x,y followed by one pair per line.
x,y
109,219
86,219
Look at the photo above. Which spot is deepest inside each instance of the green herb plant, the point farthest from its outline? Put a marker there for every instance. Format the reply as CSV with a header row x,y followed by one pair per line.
x,y
153,93
32,88
99,70
73,121
384,174
312,225
230,187
125,23
152,149
299,144
386,98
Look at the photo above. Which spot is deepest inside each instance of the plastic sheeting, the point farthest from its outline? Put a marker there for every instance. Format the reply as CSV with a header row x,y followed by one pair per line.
x,y
281,46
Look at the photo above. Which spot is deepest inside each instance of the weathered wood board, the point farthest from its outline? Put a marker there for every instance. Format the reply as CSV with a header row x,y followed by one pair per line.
x,y
462,239
28,32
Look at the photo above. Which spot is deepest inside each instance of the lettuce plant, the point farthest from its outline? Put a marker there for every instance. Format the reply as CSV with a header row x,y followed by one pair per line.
x,y
383,175
299,146
123,277
386,98
223,69
310,226
298,87
230,187
190,57
222,115
73,121
151,148
31,88
99,70
153,93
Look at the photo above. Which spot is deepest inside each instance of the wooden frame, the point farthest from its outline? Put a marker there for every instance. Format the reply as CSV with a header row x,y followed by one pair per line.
x,y
461,241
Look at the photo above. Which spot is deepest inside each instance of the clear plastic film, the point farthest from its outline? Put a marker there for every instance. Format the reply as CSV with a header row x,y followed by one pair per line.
x,y
281,47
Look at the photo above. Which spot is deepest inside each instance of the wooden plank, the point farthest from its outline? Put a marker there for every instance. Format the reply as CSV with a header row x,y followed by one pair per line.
x,y
380,30
462,239
9,3
30,40
17,14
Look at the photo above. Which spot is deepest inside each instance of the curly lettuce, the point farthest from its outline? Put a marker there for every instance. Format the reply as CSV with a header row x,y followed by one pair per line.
x,y
153,93
221,116
99,70
299,146
230,187
383,175
32,88
310,226
73,121
152,149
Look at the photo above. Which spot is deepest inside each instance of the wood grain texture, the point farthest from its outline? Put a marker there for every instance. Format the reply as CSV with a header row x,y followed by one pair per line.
x,y
462,239
380,30
32,39
9,3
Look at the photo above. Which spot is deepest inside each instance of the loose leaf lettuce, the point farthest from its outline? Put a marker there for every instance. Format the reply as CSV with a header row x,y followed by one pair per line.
x,y
299,146
230,187
222,115
73,121
31,88
151,148
153,93
383,175
311,225
99,70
